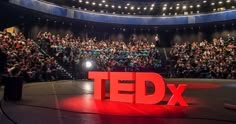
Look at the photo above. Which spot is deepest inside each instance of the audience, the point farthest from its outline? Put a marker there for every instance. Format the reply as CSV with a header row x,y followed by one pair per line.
x,y
108,55
24,59
216,59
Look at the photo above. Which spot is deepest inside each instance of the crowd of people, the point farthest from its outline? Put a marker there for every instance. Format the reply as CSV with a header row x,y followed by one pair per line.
x,y
109,55
24,59
215,59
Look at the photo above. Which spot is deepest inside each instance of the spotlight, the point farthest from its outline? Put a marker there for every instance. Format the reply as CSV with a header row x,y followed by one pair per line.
x,y
132,8
88,64
164,8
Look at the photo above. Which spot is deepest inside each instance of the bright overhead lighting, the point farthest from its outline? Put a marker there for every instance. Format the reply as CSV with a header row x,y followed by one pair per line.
x,y
103,1
228,1
87,2
132,8
171,8
145,8
119,7
191,6
184,7
164,8
151,8
93,3
128,4
80,1
212,4
177,4
106,5
100,4
138,8
165,5
198,6
126,7
113,6
153,5
204,1
220,2
177,7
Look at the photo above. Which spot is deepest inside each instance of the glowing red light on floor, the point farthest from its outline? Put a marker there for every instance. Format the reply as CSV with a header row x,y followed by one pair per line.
x,y
87,104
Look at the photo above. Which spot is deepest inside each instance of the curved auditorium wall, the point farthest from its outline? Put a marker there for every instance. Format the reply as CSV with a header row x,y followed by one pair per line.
x,y
124,19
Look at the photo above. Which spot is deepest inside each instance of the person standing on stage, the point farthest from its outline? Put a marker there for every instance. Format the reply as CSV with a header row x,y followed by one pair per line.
x,y
157,40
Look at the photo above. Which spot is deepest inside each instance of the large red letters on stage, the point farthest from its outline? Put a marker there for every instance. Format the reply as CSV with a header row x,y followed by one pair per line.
x,y
122,91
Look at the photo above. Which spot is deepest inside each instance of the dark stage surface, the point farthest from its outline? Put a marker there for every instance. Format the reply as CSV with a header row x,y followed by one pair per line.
x,y
71,102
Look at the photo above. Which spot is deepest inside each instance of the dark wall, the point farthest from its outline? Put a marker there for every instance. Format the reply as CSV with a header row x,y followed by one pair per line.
x,y
168,35
35,29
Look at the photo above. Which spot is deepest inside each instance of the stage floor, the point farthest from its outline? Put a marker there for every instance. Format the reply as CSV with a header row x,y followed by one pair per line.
x,y
71,102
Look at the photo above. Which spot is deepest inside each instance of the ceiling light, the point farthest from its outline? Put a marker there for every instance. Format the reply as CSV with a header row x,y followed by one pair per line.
x,y
164,8
132,8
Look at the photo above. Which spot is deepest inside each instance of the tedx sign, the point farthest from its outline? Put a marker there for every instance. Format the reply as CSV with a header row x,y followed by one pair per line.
x,y
121,91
